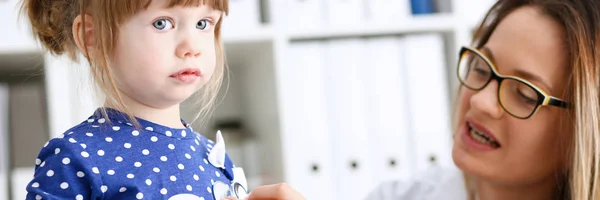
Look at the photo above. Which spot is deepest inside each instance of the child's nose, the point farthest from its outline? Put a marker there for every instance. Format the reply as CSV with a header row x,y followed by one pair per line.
x,y
188,48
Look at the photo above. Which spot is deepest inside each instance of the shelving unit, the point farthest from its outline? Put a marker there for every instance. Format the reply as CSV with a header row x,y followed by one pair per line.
x,y
262,106
441,22
257,58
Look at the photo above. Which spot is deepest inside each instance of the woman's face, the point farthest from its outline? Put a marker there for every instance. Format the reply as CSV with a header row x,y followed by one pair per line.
x,y
529,45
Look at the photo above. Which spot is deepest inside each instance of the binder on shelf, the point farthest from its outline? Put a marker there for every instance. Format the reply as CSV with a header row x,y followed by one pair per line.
x,y
387,12
305,14
4,150
390,148
243,15
444,6
346,109
306,142
344,13
428,99
20,179
420,7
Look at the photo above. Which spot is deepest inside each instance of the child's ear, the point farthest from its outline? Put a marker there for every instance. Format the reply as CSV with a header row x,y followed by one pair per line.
x,y
85,35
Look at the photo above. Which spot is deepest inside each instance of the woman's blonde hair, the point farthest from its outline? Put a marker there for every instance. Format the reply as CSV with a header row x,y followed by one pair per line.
x,y
580,20
52,21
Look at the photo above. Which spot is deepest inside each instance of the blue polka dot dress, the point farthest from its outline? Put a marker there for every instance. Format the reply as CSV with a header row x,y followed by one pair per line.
x,y
110,159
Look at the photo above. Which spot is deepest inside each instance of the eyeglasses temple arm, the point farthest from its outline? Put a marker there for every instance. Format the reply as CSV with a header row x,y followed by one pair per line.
x,y
557,102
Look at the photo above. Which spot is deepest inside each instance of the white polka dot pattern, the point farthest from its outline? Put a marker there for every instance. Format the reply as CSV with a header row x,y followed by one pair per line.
x,y
64,185
108,157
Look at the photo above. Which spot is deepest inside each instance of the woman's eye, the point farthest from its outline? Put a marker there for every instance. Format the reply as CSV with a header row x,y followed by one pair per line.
x,y
162,24
482,72
527,97
203,24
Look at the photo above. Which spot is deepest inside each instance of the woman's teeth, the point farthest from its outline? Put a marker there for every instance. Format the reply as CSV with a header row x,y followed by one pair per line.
x,y
482,138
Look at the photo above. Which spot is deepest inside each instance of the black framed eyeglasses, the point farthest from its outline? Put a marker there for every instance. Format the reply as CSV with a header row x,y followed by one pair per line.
x,y
517,96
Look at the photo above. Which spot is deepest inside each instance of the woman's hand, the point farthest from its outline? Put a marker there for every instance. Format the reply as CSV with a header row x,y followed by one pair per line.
x,y
281,191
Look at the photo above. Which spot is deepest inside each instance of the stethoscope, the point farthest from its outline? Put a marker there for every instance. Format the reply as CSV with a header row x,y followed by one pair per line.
x,y
222,190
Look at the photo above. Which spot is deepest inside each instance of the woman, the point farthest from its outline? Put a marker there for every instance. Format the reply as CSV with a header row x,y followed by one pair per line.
x,y
527,111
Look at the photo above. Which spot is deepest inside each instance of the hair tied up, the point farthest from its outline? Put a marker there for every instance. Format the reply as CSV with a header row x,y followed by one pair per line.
x,y
51,22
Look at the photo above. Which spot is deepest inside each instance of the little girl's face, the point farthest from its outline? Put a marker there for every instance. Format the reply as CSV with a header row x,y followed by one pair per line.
x,y
163,55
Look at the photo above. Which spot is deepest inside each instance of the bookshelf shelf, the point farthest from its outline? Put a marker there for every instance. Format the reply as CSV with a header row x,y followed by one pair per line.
x,y
420,24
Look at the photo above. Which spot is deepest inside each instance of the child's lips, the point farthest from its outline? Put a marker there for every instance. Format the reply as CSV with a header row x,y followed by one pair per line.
x,y
188,71
187,75
186,78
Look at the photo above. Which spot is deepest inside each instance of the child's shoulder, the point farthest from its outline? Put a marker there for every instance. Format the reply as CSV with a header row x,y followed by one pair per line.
x,y
435,183
93,130
74,141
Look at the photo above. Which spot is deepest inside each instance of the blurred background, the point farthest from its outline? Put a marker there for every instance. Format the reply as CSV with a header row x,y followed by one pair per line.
x,y
331,96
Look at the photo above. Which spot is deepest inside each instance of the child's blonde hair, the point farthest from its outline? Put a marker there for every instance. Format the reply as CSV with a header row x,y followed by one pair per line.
x,y
52,21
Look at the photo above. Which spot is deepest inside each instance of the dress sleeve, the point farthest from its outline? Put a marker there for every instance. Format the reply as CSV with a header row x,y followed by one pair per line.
x,y
64,171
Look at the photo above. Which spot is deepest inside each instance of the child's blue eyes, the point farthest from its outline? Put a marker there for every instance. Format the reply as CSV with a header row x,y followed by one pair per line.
x,y
203,24
161,24
166,24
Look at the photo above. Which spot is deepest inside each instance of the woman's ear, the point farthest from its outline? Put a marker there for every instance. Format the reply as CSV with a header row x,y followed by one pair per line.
x,y
84,35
